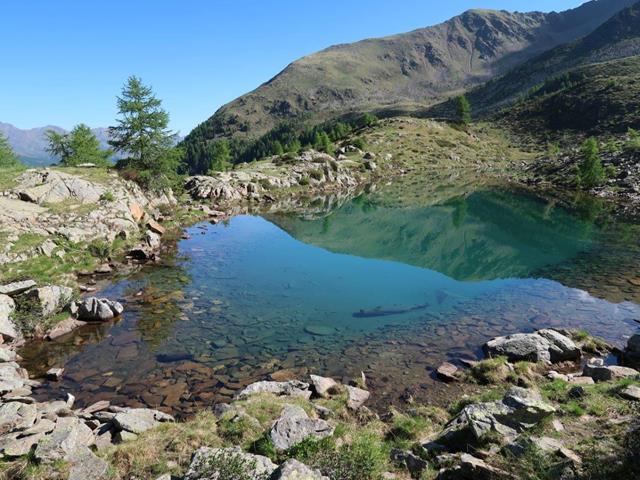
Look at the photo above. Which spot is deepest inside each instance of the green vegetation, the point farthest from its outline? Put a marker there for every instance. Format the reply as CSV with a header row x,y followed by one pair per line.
x,y
463,110
77,147
288,138
8,158
142,134
591,173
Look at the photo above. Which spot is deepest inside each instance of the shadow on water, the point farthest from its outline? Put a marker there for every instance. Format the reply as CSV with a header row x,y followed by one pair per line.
x,y
390,289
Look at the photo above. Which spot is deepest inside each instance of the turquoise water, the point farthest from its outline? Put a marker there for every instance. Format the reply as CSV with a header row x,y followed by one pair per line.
x,y
391,291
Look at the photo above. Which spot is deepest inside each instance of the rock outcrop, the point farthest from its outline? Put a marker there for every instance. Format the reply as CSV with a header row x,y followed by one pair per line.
x,y
94,309
547,346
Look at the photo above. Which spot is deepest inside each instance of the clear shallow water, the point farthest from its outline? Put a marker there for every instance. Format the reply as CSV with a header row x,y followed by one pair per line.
x,y
391,291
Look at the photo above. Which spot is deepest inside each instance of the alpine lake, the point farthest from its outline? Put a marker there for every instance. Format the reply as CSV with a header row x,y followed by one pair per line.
x,y
391,288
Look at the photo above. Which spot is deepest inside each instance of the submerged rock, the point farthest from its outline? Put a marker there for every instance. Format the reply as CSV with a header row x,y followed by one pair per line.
x,y
546,346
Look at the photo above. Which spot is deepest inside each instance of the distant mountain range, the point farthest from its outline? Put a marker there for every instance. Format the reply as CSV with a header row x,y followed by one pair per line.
x,y
30,145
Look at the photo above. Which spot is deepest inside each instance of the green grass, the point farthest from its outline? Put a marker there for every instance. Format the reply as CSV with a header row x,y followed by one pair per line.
x,y
27,242
8,177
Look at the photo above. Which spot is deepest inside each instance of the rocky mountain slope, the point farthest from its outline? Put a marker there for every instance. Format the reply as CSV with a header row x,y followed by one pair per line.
x,y
617,38
403,71
31,144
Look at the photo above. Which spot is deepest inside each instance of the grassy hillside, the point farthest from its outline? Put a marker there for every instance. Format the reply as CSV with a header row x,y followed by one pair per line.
x,y
401,73
597,99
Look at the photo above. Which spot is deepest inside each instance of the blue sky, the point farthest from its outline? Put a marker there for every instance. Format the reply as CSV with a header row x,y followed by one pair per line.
x,y
64,61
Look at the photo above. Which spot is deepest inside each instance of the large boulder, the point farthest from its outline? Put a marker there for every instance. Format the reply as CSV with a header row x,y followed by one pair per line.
x,y
69,437
548,346
50,299
13,377
292,388
138,420
16,416
94,309
215,463
8,329
604,373
46,186
295,426
519,409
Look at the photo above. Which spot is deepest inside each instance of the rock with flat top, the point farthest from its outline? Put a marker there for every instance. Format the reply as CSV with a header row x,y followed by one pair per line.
x,y
632,392
447,372
292,388
84,465
63,328
7,355
16,288
138,420
207,462
472,468
155,227
606,373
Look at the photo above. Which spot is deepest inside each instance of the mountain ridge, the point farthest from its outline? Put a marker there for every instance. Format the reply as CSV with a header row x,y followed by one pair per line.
x,y
403,71
30,143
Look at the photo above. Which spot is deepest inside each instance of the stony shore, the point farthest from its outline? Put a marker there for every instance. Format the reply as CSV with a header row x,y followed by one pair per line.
x,y
272,429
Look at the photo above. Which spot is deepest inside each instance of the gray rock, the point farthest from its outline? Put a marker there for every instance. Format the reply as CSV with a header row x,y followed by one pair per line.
x,y
447,372
138,420
94,309
520,409
356,397
472,468
633,344
50,299
12,377
608,372
528,406
7,355
292,388
16,416
17,444
324,386
295,426
632,392
17,288
292,469
46,186
8,330
69,437
206,464
63,328
86,465
546,346
413,463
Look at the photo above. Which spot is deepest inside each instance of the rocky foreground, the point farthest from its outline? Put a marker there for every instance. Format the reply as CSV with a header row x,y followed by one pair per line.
x,y
545,401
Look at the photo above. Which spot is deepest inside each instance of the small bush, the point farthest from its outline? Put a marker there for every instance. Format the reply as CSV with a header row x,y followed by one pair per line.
x,y
317,174
304,181
231,466
107,197
100,249
359,143
490,371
